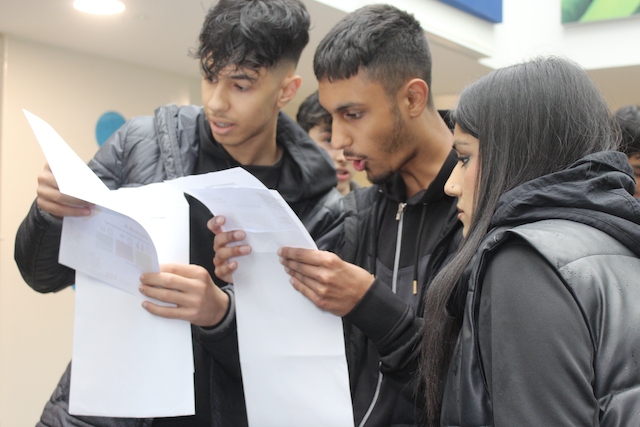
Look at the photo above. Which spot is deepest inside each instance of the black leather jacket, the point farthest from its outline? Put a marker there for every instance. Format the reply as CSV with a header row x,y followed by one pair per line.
x,y
151,149
584,224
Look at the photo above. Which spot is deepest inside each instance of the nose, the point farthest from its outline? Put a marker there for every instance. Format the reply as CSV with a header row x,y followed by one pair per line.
x,y
218,100
452,186
338,156
339,138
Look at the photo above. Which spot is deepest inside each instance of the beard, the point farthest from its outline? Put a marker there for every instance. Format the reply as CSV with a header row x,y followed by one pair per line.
x,y
398,139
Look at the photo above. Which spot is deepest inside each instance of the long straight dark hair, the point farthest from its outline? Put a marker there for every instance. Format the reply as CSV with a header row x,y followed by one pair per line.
x,y
531,119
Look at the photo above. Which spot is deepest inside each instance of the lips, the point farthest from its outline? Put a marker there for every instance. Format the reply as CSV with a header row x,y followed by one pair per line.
x,y
220,127
358,164
343,174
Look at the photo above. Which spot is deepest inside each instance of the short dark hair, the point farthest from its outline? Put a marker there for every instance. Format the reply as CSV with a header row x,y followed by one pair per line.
x,y
252,34
388,44
311,113
628,118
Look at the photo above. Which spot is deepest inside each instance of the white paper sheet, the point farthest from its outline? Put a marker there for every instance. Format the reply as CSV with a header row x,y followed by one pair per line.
x,y
116,248
71,173
126,362
292,354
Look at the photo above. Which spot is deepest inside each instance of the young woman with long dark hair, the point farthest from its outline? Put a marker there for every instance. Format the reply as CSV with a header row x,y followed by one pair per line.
x,y
536,319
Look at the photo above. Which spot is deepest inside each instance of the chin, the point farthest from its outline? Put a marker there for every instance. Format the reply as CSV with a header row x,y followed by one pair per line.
x,y
379,179
344,187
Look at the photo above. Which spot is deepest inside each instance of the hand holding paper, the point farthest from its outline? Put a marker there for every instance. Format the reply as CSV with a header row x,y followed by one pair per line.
x,y
330,283
226,247
52,200
119,349
190,288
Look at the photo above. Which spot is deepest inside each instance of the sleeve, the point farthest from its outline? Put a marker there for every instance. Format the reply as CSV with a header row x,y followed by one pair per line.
x,y
221,341
394,329
535,346
36,252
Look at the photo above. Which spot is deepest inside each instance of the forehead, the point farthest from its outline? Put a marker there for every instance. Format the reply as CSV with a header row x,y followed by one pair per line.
x,y
356,91
464,140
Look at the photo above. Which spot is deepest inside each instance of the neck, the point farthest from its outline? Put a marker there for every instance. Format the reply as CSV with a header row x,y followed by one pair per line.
x,y
434,142
259,150
266,156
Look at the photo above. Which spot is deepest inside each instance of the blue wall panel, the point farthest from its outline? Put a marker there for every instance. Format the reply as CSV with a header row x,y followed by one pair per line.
x,y
490,10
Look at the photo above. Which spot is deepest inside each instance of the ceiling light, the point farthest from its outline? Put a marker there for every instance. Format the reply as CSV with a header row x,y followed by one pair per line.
x,y
99,7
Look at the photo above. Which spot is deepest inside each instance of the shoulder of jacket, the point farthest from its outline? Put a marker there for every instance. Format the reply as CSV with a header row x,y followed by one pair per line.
x,y
559,241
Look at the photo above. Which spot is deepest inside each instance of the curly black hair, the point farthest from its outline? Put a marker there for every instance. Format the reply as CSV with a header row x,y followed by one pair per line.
x,y
252,34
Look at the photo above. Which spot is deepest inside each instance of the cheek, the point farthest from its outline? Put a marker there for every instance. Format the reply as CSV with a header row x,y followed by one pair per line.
x,y
470,177
351,169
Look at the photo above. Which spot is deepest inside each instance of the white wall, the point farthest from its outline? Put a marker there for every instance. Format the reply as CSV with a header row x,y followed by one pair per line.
x,y
70,91
529,28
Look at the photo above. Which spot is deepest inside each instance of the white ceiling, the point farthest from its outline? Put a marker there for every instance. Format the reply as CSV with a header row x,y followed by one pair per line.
x,y
160,33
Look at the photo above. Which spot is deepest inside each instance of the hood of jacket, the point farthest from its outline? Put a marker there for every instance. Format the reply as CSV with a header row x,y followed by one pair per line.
x,y
395,189
307,172
597,190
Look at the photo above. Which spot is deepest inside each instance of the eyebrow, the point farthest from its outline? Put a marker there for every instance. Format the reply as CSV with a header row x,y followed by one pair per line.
x,y
457,143
243,76
341,108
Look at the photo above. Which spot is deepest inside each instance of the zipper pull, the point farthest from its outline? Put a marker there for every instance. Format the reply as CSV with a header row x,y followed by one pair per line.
x,y
415,287
400,210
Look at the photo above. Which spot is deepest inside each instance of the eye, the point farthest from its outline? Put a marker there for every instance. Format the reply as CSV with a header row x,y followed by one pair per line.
x,y
352,116
463,159
242,88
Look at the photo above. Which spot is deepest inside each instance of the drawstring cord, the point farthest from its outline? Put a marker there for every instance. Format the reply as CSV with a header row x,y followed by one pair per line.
x,y
423,215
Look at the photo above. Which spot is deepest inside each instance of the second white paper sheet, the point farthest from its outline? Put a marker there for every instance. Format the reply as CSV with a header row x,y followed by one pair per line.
x,y
294,369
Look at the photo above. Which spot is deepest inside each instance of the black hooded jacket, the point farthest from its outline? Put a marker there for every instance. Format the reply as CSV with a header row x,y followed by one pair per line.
x,y
550,333
402,242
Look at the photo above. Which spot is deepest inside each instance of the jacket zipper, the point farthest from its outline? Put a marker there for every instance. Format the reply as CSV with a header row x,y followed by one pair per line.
x,y
396,261
394,284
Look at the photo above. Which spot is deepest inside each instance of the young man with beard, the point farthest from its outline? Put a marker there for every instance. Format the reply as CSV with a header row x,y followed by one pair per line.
x,y
248,52
374,73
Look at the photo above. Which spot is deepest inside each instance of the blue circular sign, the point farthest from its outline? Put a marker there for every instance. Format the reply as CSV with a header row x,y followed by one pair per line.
x,y
107,124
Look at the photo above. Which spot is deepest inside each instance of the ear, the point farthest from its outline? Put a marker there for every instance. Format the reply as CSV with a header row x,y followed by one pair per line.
x,y
289,89
417,97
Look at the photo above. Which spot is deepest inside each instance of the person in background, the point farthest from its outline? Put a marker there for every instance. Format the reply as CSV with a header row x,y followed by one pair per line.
x,y
316,121
248,52
534,322
628,118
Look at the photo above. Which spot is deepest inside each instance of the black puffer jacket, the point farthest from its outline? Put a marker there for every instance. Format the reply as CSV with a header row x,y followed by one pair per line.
x,y
166,146
574,356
